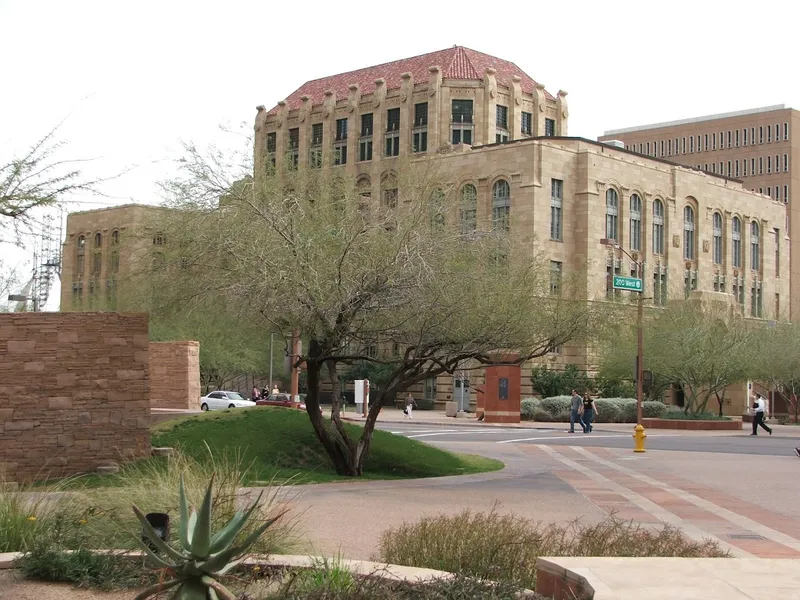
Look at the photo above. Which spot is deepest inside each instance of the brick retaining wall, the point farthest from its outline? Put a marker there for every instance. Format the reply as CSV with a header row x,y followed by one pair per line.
x,y
74,392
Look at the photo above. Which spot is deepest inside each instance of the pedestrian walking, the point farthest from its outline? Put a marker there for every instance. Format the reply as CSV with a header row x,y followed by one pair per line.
x,y
575,411
759,411
410,404
589,409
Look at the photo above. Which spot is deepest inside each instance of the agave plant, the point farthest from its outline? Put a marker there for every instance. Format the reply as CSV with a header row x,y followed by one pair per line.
x,y
204,558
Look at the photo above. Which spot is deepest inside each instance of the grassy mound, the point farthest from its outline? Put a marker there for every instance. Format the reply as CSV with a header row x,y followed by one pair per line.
x,y
280,443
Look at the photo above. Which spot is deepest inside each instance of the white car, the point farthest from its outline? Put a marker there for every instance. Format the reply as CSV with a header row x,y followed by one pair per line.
x,y
220,400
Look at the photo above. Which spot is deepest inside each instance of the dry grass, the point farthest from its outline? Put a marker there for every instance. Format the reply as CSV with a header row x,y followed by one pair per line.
x,y
505,547
153,487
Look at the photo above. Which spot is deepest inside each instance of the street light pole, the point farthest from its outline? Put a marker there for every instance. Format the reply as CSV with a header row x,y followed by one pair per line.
x,y
638,433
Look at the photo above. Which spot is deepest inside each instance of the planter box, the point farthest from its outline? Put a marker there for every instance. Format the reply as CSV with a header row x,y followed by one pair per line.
x,y
689,425
451,409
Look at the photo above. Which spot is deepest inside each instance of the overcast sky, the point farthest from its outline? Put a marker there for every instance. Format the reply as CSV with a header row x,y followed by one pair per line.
x,y
134,78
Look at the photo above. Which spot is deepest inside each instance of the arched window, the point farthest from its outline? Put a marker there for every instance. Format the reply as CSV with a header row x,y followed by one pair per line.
x,y
688,233
636,222
755,256
98,240
736,243
80,255
501,205
469,209
717,234
658,227
97,257
612,214
115,238
389,191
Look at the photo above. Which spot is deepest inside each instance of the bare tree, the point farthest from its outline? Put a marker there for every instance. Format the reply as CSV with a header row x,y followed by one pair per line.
x,y
39,178
310,250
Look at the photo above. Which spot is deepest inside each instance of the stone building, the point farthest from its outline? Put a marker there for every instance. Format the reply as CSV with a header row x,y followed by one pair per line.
x,y
502,140
759,146
100,248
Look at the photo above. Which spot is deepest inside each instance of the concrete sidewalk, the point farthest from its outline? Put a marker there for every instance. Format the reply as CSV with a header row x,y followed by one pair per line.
x,y
438,418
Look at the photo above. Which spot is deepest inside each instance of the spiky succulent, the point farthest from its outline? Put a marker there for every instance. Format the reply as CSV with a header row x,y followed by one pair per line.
x,y
204,558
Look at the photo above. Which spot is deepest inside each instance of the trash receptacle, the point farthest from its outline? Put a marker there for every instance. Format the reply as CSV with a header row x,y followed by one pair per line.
x,y
160,524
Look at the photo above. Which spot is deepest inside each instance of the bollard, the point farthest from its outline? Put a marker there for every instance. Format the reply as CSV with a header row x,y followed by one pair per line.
x,y
638,438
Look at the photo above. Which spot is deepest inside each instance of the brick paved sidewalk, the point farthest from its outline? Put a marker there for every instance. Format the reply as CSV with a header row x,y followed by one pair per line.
x,y
744,528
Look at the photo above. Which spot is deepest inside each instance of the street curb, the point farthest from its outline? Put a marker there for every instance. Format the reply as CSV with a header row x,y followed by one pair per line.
x,y
474,423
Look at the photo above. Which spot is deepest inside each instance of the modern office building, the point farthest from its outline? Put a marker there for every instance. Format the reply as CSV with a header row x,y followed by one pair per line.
x,y
760,147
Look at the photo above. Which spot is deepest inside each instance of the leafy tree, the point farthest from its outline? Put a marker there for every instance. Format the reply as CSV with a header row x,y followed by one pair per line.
x,y
308,250
778,361
551,382
704,348
613,386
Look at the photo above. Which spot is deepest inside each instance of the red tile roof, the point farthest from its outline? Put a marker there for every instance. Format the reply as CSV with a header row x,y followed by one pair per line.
x,y
456,63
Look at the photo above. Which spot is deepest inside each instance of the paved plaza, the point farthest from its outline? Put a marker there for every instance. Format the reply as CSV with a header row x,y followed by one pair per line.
x,y
736,489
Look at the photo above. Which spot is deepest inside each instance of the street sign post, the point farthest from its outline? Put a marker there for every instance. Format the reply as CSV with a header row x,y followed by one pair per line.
x,y
632,284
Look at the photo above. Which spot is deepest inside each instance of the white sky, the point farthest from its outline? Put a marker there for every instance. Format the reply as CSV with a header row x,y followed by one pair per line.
x,y
135,78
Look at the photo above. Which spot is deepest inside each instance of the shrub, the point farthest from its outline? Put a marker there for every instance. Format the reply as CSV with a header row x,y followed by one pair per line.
x,y
505,547
612,410
549,382
424,403
84,568
697,416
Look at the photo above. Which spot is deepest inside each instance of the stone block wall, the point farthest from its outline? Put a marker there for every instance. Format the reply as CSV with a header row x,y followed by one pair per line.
x,y
175,374
74,393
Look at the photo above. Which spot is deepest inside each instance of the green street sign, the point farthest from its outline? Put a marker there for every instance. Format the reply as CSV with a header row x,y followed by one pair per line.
x,y
627,283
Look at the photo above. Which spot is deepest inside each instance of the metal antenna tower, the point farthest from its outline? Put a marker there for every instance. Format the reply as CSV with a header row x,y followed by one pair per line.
x,y
46,260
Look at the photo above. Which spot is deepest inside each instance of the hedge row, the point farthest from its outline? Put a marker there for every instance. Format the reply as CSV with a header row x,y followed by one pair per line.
x,y
611,410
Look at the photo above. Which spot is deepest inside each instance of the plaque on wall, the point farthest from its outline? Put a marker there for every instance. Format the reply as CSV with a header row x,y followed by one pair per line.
x,y
502,388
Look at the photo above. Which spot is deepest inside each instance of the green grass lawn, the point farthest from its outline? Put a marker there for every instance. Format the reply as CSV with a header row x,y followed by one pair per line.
x,y
280,443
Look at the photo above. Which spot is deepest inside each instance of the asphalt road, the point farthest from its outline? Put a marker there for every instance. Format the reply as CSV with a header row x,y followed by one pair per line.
x,y
735,443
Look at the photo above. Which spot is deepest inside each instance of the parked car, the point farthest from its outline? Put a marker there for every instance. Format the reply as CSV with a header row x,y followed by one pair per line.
x,y
221,399
284,400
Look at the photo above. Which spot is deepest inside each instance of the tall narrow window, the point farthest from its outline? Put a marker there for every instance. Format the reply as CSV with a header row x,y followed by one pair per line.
x,y
420,137
113,266
97,256
785,163
769,164
737,138
555,277
785,132
737,167
658,227
760,165
461,124
392,132
80,256
437,211
501,205
527,124
294,147
729,139
755,255
777,252
636,223
469,209
688,233
340,143
761,135
556,208
717,236
612,214
769,134
315,152
549,127
501,123
744,135
365,138
272,147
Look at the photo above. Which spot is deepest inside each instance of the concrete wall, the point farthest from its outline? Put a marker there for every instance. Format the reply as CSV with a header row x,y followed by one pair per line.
x,y
174,374
74,393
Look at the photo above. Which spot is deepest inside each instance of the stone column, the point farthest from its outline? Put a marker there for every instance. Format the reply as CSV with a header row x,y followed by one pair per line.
x,y
438,115
539,103
353,127
515,110
407,115
328,127
488,131
305,131
563,113
282,137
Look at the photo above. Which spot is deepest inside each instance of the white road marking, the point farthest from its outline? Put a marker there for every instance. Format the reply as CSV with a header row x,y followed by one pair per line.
x,y
645,504
560,437
735,518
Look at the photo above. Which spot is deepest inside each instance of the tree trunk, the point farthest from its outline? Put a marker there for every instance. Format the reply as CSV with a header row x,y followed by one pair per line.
x,y
339,456
720,401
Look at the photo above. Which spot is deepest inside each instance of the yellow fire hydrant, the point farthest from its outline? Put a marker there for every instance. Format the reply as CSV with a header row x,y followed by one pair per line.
x,y
638,438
